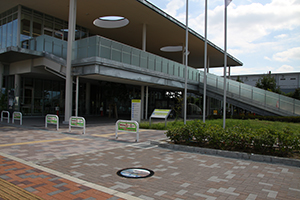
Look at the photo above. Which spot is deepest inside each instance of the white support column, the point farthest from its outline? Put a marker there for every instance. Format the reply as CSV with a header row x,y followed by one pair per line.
x,y
147,96
69,82
88,99
205,66
142,101
77,95
144,41
208,65
186,61
17,90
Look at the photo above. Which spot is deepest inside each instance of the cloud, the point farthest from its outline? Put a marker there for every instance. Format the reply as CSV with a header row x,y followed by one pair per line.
x,y
173,6
267,58
288,55
280,36
249,24
285,68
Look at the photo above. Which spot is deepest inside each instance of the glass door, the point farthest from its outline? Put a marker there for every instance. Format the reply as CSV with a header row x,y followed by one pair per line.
x,y
27,105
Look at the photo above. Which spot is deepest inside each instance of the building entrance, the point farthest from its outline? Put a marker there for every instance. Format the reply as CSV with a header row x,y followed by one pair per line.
x,y
27,102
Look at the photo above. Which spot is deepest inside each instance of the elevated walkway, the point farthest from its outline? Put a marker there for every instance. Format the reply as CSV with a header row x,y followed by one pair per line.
x,y
103,59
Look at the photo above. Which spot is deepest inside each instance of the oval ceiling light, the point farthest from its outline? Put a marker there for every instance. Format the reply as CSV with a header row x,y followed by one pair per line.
x,y
171,48
111,22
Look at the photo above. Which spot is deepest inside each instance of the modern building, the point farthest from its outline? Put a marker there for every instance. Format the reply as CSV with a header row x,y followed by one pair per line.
x,y
287,82
93,57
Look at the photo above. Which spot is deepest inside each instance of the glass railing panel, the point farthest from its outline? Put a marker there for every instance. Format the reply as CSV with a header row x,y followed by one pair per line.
x,y
259,95
81,48
158,62
105,42
246,91
176,69
182,71
286,103
171,67
297,109
165,66
210,80
272,99
116,51
39,43
151,62
135,57
220,83
234,87
93,48
143,59
126,55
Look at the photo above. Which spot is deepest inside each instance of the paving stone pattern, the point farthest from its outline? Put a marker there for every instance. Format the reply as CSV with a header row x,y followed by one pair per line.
x,y
45,185
97,156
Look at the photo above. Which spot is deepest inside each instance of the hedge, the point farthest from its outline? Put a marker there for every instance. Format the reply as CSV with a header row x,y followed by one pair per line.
x,y
294,119
261,141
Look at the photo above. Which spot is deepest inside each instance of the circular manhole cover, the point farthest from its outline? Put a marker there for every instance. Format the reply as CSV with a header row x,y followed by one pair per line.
x,y
135,173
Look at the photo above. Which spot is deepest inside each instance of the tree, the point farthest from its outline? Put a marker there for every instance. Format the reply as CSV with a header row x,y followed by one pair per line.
x,y
239,79
295,94
267,82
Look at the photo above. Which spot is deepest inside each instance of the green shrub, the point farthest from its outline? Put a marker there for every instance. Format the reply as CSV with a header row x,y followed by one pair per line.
x,y
238,138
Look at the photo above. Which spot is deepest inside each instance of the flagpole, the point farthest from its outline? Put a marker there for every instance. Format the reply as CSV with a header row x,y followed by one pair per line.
x,y
186,60
225,61
205,64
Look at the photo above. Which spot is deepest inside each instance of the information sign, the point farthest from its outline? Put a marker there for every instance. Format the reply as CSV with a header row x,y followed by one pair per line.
x,y
160,113
136,110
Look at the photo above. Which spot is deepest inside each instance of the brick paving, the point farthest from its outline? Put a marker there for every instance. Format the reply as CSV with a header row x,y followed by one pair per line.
x,y
95,158
46,185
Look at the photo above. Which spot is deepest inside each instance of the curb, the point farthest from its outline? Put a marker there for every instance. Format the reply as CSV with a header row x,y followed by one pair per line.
x,y
229,154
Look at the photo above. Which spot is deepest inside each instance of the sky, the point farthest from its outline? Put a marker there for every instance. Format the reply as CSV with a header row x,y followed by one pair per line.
x,y
263,34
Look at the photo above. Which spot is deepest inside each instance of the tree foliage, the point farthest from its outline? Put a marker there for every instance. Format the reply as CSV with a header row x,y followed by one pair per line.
x,y
268,82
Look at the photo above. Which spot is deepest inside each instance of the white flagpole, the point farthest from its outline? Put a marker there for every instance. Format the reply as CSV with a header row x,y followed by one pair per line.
x,y
186,61
225,62
205,65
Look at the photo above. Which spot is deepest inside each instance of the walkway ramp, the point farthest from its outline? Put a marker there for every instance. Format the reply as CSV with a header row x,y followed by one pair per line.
x,y
250,98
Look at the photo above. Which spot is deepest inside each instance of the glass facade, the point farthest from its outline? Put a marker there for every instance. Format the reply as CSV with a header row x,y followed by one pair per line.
x,y
33,24
40,97
9,28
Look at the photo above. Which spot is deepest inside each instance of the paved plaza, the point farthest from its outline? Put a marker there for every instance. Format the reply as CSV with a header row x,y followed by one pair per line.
x,y
53,164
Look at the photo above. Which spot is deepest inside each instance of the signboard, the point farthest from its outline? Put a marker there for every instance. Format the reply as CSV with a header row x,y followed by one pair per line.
x,y
215,112
17,116
136,110
160,113
77,122
52,119
128,126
